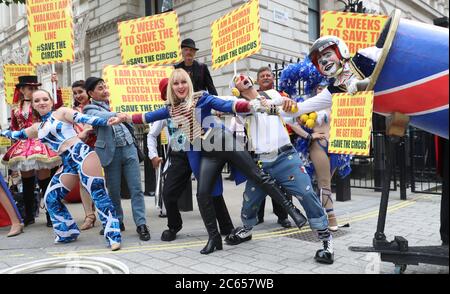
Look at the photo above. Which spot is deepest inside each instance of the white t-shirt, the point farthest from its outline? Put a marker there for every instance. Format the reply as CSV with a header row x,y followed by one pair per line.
x,y
266,133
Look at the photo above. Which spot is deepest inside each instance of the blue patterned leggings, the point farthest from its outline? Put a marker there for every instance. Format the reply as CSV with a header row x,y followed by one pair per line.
x,y
64,226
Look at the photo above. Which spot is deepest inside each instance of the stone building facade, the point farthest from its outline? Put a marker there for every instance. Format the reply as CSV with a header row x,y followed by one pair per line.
x,y
288,29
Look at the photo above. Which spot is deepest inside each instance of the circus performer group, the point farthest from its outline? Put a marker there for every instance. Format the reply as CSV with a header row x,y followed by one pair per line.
x,y
272,162
49,137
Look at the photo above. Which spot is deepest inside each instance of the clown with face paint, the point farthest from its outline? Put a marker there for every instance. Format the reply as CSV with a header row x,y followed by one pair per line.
x,y
331,57
273,151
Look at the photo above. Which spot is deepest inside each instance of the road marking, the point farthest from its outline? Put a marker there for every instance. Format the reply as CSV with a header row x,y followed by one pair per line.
x,y
14,255
257,236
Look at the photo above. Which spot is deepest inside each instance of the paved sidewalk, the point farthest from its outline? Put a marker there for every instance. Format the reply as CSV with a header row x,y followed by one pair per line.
x,y
273,250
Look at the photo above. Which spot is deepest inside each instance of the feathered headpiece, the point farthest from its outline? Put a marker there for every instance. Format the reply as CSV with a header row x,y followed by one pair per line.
x,y
304,71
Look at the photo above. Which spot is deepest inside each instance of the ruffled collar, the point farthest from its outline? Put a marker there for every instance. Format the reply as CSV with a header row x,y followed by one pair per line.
x,y
344,76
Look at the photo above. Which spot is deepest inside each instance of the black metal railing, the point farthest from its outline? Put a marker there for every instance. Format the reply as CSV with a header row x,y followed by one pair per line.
x,y
277,69
367,171
423,174
139,132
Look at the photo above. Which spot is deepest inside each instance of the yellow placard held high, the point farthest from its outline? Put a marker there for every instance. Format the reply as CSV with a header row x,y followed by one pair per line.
x,y
151,40
236,35
67,97
134,89
50,29
351,123
11,74
357,30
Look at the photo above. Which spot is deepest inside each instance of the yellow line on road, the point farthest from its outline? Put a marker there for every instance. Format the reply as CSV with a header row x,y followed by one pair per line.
x,y
257,236
11,256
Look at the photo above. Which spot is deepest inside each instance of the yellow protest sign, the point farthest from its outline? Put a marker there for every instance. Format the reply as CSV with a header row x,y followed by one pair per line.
x,y
351,123
11,74
67,96
134,89
357,30
151,40
50,29
5,142
236,35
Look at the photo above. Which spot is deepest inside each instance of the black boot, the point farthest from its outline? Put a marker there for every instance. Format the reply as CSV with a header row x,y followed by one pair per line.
x,y
223,217
262,207
43,184
213,243
325,255
279,195
169,235
206,207
49,220
28,199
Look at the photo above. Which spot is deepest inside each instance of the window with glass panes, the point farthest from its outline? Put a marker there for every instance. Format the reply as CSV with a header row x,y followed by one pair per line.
x,y
157,6
313,19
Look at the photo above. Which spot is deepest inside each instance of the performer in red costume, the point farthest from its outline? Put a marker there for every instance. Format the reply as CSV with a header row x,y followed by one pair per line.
x,y
29,156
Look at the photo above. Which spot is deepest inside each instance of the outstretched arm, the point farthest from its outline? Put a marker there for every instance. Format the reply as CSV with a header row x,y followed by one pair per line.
x,y
23,134
316,103
96,111
73,116
227,104
151,116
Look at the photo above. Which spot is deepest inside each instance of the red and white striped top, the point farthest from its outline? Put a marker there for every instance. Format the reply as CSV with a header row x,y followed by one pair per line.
x,y
184,118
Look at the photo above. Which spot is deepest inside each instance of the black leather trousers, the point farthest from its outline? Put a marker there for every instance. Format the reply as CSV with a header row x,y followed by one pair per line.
x,y
211,167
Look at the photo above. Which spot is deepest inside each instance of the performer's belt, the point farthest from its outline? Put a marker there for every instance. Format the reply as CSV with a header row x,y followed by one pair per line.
x,y
280,150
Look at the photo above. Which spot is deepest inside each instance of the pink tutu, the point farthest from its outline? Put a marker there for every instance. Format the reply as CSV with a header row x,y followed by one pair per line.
x,y
29,154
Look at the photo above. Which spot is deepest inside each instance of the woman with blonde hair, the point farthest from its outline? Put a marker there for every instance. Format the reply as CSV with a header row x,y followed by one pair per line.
x,y
206,133
178,170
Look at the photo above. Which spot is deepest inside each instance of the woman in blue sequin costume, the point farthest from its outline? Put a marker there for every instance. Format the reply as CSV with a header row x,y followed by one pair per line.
x,y
80,162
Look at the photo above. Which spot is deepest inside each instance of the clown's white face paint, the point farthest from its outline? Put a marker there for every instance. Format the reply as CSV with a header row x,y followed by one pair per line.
x,y
329,63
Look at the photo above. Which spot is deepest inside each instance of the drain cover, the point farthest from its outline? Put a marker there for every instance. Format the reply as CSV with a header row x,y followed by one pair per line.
x,y
311,236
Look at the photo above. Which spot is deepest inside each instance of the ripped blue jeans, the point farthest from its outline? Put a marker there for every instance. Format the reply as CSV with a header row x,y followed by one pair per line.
x,y
288,170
